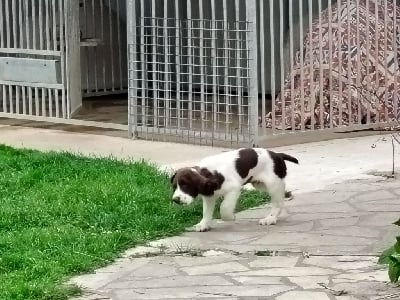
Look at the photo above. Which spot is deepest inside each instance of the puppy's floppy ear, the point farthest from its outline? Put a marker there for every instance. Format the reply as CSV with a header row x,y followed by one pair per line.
x,y
173,177
208,187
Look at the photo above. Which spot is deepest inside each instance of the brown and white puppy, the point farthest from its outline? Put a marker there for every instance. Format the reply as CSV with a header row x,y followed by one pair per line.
x,y
224,174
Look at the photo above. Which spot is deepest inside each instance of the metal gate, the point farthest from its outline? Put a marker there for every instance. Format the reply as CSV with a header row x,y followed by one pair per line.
x,y
39,58
191,71
334,66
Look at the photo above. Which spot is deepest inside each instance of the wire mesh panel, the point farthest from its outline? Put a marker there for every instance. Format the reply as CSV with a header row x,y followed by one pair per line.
x,y
334,65
33,49
190,71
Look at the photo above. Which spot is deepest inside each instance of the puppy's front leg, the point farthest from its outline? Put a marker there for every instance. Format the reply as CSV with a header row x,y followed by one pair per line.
x,y
208,210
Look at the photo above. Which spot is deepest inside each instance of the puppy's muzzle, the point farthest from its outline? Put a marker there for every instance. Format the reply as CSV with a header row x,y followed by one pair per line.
x,y
177,200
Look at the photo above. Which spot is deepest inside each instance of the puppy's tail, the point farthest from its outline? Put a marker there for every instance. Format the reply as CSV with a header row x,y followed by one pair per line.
x,y
287,157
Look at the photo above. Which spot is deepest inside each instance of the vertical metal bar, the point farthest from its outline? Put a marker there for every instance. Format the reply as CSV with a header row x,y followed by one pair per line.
x,y
103,59
282,63
301,65
47,25
330,46
226,70
321,63
202,67
262,73
167,93
50,94
251,18
23,100
291,58
190,63
385,53
4,98
94,33
53,4
57,102
120,46
167,97
20,21
33,16
349,64
111,45
41,25
17,99
214,68
238,66
311,103
132,78
272,43
358,77
340,66
27,32
178,64
37,102
11,100
154,71
377,100
8,21
86,49
30,101
144,83
44,102
367,63
1,26
396,63
15,30
64,104
63,57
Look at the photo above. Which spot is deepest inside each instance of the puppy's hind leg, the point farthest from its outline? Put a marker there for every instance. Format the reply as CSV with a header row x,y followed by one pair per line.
x,y
228,205
276,189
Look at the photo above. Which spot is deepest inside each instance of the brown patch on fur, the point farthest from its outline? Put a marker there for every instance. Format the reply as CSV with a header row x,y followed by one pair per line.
x,y
247,160
195,181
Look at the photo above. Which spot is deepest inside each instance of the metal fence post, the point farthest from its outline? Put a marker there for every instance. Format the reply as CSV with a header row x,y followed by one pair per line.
x,y
251,19
132,78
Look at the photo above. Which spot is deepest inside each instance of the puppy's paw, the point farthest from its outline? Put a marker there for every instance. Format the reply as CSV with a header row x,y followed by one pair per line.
x,y
270,220
288,196
200,227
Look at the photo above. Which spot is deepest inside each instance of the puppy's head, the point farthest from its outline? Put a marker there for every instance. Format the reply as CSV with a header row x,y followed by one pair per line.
x,y
188,183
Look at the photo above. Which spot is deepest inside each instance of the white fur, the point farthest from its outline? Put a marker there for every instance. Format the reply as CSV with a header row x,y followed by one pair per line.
x,y
224,163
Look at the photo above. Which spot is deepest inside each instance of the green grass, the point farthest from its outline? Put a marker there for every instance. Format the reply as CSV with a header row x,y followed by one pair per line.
x,y
63,215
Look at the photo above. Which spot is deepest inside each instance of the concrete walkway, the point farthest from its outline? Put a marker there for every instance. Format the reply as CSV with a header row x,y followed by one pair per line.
x,y
326,246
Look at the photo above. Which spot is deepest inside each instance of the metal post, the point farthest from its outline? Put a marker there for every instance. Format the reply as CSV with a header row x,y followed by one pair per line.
x,y
132,78
251,18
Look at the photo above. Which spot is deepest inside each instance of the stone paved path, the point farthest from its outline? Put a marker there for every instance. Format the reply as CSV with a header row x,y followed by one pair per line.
x,y
325,248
